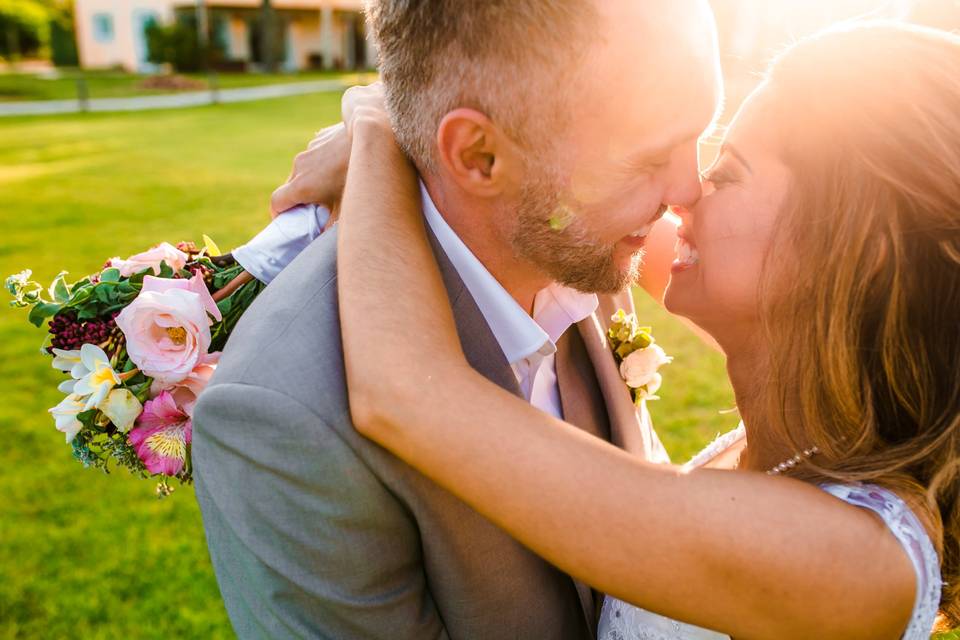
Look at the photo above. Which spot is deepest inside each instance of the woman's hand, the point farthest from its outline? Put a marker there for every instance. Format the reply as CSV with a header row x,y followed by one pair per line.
x,y
320,171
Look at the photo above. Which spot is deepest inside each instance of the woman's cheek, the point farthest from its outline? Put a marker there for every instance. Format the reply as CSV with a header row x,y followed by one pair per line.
x,y
731,275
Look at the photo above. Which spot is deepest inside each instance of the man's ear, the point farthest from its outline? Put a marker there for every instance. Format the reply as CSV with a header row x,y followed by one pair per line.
x,y
476,153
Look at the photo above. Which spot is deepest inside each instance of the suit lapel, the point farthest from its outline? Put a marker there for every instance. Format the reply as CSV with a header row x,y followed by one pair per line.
x,y
479,345
583,406
630,427
580,395
484,354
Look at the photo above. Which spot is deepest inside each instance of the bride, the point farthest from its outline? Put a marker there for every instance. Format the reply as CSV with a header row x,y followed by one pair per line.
x,y
824,257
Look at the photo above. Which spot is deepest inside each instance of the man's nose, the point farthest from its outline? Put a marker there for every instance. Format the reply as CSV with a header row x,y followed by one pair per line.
x,y
683,186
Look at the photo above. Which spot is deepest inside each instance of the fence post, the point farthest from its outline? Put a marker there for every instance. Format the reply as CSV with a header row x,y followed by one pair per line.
x,y
83,94
214,85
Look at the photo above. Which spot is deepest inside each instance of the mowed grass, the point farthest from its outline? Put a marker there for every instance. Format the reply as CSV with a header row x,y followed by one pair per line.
x,y
83,555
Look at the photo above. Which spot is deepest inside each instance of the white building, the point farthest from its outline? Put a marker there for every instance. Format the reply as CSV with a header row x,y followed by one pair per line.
x,y
314,33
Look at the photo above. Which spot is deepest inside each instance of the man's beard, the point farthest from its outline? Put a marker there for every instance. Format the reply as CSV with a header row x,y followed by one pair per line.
x,y
554,237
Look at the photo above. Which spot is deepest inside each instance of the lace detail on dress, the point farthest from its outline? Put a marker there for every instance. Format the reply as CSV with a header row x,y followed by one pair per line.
x,y
622,621
908,530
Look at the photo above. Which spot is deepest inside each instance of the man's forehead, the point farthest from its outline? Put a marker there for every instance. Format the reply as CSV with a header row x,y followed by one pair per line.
x,y
656,86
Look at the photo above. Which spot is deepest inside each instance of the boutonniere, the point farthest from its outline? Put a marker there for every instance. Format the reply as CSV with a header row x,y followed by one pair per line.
x,y
637,355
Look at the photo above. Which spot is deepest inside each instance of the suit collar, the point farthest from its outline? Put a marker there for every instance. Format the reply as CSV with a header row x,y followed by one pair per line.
x,y
518,335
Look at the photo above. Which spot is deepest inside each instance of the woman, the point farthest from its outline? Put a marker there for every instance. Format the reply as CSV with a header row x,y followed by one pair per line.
x,y
824,257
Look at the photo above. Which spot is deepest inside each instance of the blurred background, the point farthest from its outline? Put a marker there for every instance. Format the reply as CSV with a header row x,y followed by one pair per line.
x,y
126,123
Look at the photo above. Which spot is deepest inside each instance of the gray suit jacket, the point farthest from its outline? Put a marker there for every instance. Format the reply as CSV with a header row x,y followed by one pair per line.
x,y
315,532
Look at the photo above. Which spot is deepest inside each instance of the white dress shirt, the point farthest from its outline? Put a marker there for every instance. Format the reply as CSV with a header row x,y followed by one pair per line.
x,y
528,343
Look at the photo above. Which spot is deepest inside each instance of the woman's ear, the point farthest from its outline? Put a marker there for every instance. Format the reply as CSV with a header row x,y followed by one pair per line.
x,y
475,152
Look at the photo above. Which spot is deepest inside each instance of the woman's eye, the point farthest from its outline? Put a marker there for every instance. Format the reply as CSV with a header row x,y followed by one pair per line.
x,y
716,178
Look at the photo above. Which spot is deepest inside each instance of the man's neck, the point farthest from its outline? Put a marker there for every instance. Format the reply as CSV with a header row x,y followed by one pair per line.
x,y
475,224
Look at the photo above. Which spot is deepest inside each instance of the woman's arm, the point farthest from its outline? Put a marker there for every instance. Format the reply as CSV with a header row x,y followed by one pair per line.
x,y
753,556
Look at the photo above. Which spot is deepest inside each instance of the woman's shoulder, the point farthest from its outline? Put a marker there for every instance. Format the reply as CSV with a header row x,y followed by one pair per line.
x,y
913,536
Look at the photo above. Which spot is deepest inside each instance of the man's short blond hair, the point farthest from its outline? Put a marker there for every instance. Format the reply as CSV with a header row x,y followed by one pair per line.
x,y
513,60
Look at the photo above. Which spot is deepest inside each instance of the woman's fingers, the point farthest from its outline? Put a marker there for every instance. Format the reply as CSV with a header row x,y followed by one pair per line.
x,y
324,135
318,172
364,102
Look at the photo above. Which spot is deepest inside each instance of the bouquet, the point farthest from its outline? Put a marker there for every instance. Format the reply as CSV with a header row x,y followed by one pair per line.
x,y
138,341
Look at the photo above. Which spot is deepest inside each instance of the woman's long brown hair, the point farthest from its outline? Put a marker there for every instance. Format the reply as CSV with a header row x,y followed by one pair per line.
x,y
861,296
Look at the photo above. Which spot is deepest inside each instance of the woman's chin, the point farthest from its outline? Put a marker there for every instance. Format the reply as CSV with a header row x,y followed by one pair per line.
x,y
682,296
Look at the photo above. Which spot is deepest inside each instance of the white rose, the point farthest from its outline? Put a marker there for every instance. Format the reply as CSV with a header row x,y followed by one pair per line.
x,y
639,369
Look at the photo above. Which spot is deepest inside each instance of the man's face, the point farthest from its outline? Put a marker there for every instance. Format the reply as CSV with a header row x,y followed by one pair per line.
x,y
628,149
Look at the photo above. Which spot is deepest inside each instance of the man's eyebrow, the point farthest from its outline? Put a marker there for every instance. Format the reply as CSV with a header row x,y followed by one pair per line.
x,y
648,156
729,148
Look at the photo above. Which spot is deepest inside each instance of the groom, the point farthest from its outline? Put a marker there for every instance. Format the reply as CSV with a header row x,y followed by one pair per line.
x,y
549,137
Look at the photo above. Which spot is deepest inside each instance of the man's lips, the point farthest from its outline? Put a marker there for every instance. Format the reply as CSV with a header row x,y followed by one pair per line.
x,y
639,237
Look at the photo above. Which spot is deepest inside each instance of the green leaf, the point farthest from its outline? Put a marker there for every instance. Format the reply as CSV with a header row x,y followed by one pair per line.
x,y
87,313
110,275
59,290
41,311
166,271
138,277
225,305
104,294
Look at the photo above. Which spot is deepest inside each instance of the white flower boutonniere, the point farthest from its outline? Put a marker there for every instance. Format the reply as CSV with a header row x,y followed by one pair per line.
x,y
637,355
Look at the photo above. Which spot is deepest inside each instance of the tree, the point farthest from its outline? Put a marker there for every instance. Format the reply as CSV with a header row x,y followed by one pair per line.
x,y
268,36
24,28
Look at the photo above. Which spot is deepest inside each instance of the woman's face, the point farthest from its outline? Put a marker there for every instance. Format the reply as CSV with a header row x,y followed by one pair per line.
x,y
725,235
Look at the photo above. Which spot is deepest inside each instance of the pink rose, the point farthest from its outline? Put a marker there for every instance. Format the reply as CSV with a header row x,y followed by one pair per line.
x,y
163,252
167,327
186,392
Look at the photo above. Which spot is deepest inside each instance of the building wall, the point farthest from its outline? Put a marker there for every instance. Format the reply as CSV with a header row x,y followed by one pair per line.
x,y
123,47
126,46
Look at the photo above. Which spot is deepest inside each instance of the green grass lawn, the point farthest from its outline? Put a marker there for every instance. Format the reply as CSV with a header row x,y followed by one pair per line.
x,y
84,555
117,84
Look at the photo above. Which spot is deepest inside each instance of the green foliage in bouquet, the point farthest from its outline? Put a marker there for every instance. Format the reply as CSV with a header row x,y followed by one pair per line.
x,y
139,340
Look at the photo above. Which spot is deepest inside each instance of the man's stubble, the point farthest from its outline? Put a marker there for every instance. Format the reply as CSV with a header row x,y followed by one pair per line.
x,y
551,233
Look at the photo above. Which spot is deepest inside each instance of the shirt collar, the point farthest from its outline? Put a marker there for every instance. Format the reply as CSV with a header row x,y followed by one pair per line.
x,y
555,307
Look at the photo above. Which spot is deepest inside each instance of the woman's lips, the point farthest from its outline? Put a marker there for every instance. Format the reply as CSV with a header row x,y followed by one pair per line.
x,y
687,255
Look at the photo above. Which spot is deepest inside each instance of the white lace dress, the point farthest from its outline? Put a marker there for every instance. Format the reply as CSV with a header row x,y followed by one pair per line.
x,y
621,621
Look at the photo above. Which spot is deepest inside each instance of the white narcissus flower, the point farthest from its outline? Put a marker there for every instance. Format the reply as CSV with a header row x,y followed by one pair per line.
x,y
123,409
65,415
99,380
639,369
69,362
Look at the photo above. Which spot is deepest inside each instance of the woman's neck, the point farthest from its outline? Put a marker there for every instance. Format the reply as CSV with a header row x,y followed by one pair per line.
x,y
748,370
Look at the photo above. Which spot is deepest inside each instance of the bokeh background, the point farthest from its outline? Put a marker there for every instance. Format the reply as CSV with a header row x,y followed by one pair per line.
x,y
84,555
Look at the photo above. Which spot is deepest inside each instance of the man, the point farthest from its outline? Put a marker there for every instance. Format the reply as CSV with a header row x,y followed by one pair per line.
x,y
549,137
